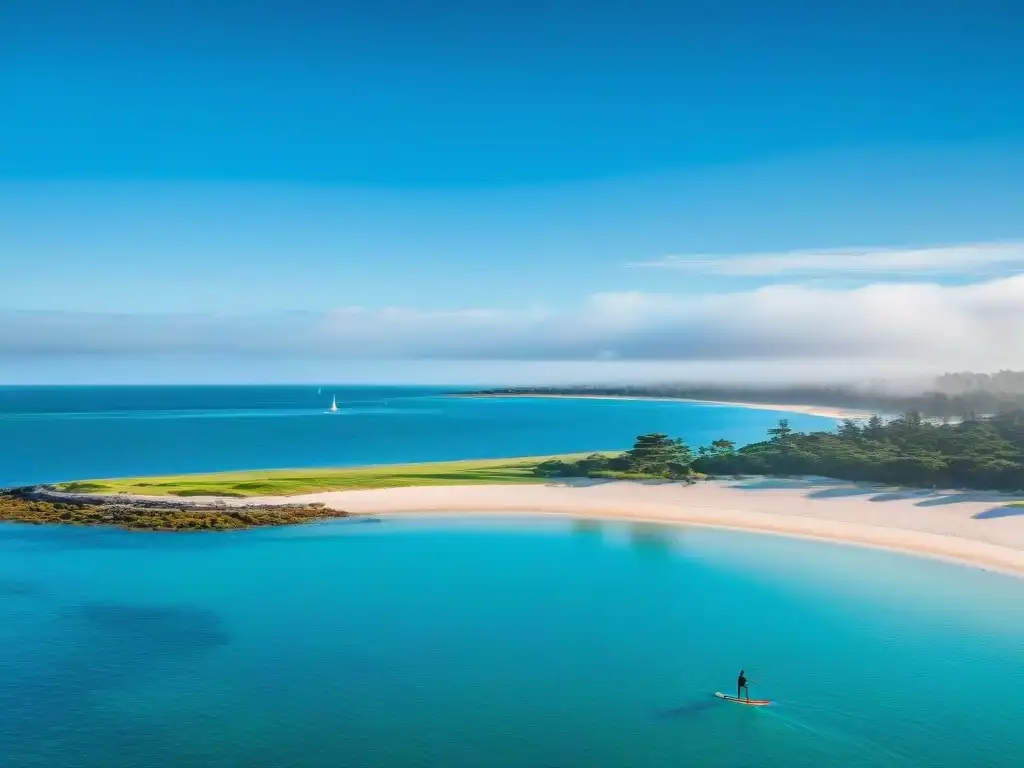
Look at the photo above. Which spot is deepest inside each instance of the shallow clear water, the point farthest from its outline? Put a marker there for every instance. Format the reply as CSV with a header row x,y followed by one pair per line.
x,y
49,434
498,642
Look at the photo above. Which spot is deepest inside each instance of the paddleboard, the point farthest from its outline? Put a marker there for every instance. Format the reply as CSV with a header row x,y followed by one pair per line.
x,y
751,703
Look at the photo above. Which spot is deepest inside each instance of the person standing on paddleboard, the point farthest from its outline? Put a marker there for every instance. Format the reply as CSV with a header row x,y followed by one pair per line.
x,y
741,686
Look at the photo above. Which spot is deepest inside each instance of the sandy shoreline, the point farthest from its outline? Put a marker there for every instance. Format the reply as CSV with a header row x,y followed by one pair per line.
x,y
974,528
828,412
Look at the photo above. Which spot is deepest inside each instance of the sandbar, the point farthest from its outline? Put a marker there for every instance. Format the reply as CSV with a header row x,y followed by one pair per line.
x,y
829,412
983,529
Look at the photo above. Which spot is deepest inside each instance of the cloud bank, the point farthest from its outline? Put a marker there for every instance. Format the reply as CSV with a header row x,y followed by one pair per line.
x,y
978,326
975,259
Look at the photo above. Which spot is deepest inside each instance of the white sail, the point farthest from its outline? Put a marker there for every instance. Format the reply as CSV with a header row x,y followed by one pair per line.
x,y
334,404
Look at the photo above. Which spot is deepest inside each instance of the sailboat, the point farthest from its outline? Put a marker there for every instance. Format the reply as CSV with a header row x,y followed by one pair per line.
x,y
334,404
319,390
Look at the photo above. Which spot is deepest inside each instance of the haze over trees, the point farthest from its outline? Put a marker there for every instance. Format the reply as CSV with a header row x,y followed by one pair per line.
x,y
950,396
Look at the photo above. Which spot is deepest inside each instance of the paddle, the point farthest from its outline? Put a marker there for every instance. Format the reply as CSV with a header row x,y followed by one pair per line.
x,y
750,682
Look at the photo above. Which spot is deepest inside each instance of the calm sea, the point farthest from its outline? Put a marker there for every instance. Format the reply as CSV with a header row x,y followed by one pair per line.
x,y
50,434
465,643
498,643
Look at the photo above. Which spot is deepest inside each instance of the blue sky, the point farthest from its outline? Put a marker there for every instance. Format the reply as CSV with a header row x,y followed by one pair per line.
x,y
193,190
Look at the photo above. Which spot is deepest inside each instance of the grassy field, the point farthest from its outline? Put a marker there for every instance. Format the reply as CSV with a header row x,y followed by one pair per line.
x,y
286,482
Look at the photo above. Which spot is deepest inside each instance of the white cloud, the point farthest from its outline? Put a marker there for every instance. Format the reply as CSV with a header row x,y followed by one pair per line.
x,y
976,259
978,326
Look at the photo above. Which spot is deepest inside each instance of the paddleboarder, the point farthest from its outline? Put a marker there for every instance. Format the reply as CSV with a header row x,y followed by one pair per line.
x,y
743,692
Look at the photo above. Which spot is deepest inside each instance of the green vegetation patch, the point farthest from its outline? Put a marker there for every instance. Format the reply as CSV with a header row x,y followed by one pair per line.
x,y
980,453
289,482
83,487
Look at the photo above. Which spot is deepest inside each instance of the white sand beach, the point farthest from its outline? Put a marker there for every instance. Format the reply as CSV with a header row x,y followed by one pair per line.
x,y
977,528
826,411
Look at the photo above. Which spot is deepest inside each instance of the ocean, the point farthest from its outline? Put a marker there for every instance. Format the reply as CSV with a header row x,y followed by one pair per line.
x,y
50,434
509,643
459,642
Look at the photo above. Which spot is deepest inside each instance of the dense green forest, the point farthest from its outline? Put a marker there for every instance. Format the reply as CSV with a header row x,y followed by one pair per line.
x,y
950,396
980,453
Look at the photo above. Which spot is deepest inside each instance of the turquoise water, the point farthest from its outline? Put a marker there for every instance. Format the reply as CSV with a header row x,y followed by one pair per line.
x,y
497,642
533,642
49,434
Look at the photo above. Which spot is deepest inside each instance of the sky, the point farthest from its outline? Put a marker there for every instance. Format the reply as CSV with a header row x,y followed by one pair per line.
x,y
509,193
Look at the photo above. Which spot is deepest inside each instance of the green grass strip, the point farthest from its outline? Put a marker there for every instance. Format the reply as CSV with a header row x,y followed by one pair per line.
x,y
287,482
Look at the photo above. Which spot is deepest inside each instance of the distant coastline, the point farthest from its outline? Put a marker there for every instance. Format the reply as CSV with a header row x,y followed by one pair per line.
x,y
947,398
829,412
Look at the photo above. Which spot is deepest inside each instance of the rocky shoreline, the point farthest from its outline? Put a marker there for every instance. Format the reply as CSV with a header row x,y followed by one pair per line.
x,y
45,504
52,494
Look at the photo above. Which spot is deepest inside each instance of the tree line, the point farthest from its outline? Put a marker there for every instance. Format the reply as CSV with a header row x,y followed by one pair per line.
x,y
985,453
